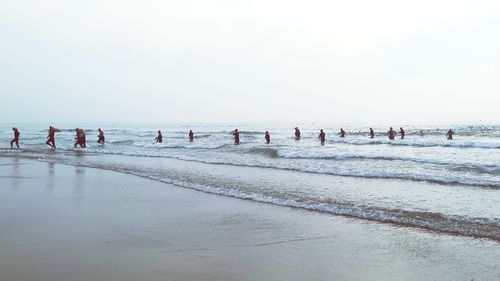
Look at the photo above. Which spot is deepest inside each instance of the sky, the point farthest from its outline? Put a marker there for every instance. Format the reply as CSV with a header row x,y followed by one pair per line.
x,y
250,61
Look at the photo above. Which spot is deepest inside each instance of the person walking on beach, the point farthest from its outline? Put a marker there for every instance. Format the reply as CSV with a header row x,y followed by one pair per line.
x,y
322,136
100,137
51,138
342,133
159,138
372,133
15,140
236,136
297,133
191,135
449,134
391,134
402,132
267,137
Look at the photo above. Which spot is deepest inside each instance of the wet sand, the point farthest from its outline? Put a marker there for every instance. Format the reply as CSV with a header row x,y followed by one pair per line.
x,y
61,222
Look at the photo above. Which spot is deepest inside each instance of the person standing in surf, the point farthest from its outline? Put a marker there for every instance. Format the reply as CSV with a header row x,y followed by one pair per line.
x,y
391,134
267,137
51,138
297,133
191,135
236,136
402,132
83,139
322,136
159,138
449,134
342,133
100,137
15,140
372,133
78,138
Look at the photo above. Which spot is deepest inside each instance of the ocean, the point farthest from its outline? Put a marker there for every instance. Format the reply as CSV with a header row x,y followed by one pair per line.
x,y
423,181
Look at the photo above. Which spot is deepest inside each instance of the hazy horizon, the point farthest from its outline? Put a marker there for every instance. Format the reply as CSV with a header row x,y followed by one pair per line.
x,y
357,62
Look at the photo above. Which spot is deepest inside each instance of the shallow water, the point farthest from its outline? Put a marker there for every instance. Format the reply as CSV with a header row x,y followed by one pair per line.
x,y
421,181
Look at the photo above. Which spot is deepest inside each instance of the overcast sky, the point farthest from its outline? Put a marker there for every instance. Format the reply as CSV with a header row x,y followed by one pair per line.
x,y
243,61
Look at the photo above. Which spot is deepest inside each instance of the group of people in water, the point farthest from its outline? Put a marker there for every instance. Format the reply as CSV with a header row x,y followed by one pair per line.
x,y
80,138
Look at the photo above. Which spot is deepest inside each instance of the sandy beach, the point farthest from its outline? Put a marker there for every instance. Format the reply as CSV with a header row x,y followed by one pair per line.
x,y
60,222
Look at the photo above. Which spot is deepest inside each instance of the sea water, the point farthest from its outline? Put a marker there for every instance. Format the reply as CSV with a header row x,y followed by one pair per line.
x,y
423,181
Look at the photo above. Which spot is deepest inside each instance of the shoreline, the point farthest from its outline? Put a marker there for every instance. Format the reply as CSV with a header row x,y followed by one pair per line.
x,y
104,225
166,171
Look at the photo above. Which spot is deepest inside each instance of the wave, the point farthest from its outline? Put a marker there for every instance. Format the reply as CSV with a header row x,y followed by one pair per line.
x,y
419,143
457,165
453,224
357,172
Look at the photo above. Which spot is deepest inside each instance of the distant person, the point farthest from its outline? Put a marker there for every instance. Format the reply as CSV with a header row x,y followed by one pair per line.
x,y
267,137
191,135
78,138
15,140
322,136
372,133
342,133
51,138
391,134
159,138
236,136
297,133
449,134
402,132
83,139
100,137
421,133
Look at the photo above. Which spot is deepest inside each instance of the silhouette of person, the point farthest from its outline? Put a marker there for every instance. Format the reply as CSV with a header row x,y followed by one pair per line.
x,y
402,132
372,133
297,133
16,138
83,139
236,136
51,138
267,137
101,138
191,135
391,134
159,138
449,134
342,133
78,138
322,136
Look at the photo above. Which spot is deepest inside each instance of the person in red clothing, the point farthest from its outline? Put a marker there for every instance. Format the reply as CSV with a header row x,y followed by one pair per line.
x,y
342,133
297,133
322,136
16,138
159,138
51,138
267,137
78,138
391,134
83,139
100,137
236,136
449,134
191,135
